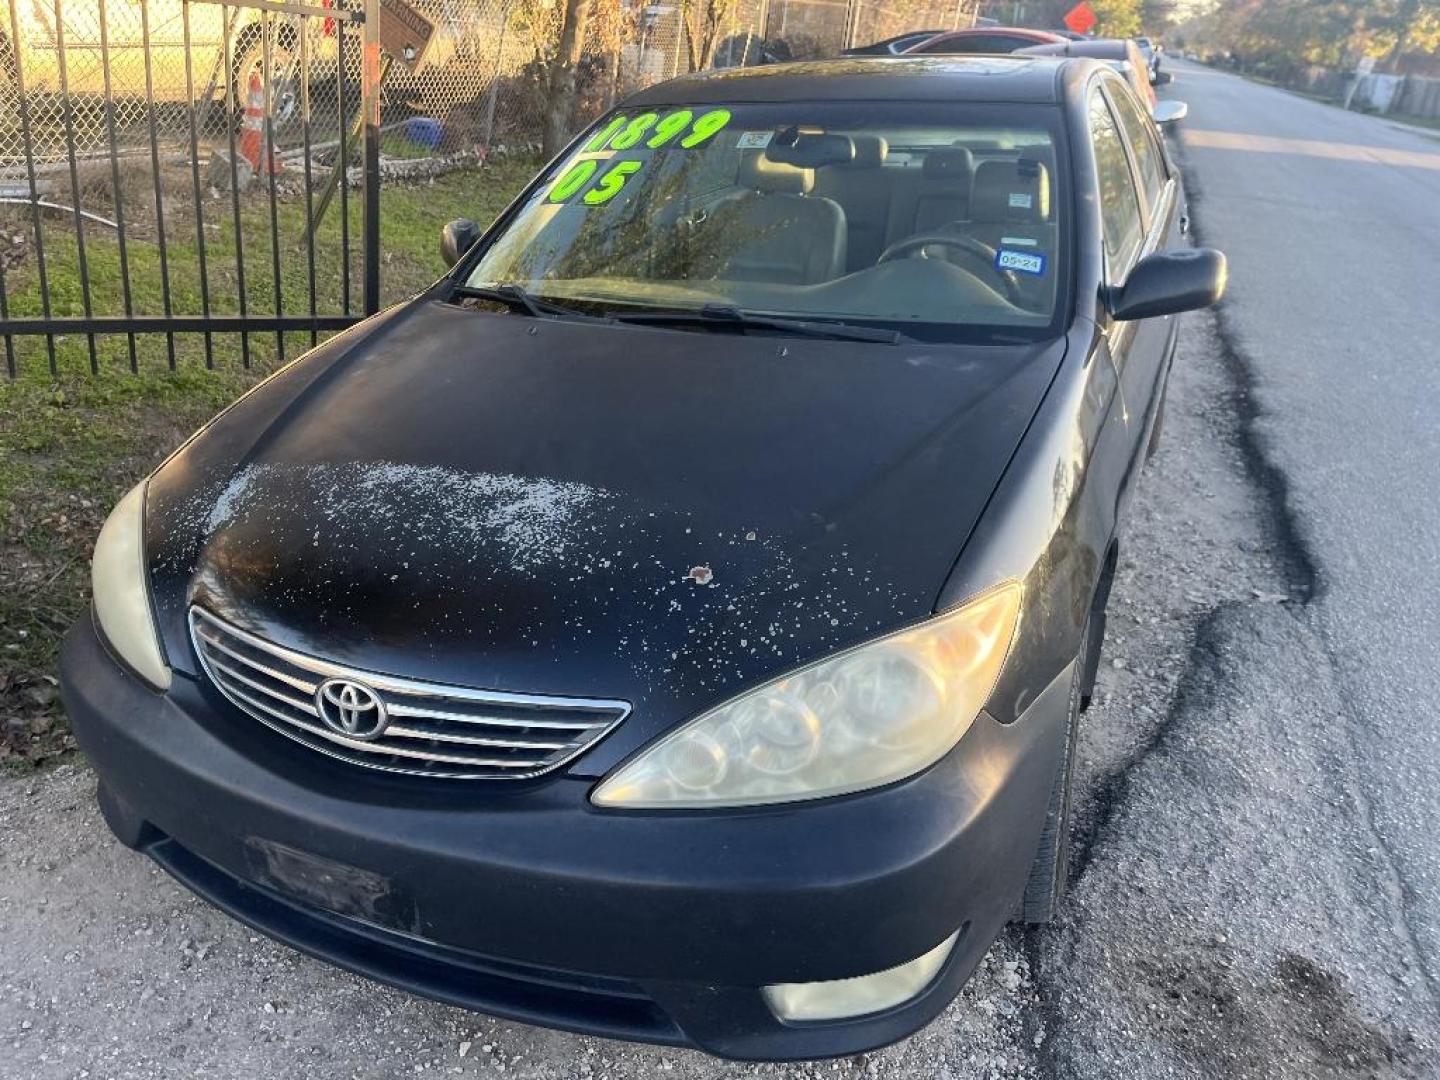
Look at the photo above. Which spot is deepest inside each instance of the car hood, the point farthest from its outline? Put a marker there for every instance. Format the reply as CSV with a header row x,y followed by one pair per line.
x,y
572,508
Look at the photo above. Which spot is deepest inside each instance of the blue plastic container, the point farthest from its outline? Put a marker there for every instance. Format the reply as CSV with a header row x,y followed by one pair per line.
x,y
424,131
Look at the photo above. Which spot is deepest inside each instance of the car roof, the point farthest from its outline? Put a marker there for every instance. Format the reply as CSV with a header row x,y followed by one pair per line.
x,y
1013,79
1099,48
998,31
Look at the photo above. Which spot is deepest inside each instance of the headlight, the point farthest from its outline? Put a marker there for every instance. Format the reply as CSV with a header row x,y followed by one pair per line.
x,y
872,715
122,596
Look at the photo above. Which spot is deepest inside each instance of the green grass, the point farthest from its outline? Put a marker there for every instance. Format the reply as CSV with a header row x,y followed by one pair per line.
x,y
71,443
1429,124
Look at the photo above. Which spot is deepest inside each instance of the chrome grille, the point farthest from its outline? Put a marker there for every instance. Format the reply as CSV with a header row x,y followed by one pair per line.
x,y
433,729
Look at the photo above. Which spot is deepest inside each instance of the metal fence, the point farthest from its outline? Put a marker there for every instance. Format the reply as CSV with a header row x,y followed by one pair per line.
x,y
177,173
123,121
1414,96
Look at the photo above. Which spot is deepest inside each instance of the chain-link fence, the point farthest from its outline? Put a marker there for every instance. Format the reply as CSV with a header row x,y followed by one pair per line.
x,y
209,147
481,80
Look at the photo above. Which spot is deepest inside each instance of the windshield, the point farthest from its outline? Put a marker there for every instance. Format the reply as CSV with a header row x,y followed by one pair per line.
x,y
939,220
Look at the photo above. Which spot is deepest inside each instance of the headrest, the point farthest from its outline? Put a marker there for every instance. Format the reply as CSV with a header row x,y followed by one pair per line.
x,y
870,151
956,164
761,174
813,150
1011,191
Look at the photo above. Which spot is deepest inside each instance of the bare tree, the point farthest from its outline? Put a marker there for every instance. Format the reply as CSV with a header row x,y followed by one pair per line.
x,y
560,106
705,21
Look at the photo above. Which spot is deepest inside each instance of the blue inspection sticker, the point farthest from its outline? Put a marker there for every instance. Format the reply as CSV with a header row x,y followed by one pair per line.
x,y
1022,262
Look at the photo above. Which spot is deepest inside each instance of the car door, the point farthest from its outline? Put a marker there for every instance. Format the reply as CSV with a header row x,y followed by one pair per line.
x,y
1154,339
1135,348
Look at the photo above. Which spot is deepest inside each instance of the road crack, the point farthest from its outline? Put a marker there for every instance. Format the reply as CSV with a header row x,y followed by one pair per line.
x,y
1307,585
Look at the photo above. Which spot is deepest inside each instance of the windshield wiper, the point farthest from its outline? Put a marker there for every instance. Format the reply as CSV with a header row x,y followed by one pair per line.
x,y
727,317
520,300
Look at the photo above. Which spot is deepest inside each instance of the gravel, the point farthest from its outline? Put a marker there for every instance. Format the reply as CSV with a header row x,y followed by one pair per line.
x,y
1231,914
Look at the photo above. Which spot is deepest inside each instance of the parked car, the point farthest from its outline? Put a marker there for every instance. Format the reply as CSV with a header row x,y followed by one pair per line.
x,y
674,623
1151,52
747,49
1121,54
990,39
892,46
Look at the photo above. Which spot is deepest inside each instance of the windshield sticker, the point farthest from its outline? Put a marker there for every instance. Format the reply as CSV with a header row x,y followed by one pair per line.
x,y
754,140
706,128
1018,241
604,135
610,184
623,132
680,128
634,131
1022,262
668,128
572,180
1020,200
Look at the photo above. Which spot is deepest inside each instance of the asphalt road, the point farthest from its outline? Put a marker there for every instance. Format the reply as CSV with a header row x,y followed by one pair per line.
x,y
1332,224
1253,879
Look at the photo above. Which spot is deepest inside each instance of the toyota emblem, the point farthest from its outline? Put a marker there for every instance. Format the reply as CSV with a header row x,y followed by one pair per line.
x,y
351,709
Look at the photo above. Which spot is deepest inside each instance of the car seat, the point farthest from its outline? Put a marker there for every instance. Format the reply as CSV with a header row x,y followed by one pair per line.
x,y
776,231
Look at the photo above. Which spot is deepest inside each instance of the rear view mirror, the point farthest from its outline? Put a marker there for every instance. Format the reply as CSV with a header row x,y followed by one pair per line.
x,y
1170,282
456,238
812,150
1170,112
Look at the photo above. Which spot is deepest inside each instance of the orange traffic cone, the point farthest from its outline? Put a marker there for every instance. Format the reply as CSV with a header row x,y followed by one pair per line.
x,y
252,130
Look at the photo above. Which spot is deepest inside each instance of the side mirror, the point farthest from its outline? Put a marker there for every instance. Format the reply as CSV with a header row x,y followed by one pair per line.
x,y
1169,112
1164,78
1170,282
456,238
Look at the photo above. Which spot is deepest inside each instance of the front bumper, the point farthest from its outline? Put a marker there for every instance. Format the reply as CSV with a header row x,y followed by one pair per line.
x,y
524,901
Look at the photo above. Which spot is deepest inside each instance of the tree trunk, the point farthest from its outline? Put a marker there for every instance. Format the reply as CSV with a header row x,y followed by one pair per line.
x,y
1408,13
703,22
690,26
612,61
561,77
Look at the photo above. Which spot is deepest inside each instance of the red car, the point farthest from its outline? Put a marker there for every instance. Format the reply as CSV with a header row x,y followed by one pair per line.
x,y
1122,54
987,39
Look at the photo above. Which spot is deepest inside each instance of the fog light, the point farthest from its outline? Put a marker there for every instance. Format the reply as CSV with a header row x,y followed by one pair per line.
x,y
861,995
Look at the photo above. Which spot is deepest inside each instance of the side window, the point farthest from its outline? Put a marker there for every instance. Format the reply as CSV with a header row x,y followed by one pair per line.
x,y
1119,201
1142,143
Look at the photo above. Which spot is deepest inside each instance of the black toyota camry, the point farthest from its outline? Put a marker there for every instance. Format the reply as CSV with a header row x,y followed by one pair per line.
x,y
673,624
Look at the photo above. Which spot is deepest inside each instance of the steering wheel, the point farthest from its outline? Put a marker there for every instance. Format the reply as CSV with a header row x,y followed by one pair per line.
x,y
978,252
